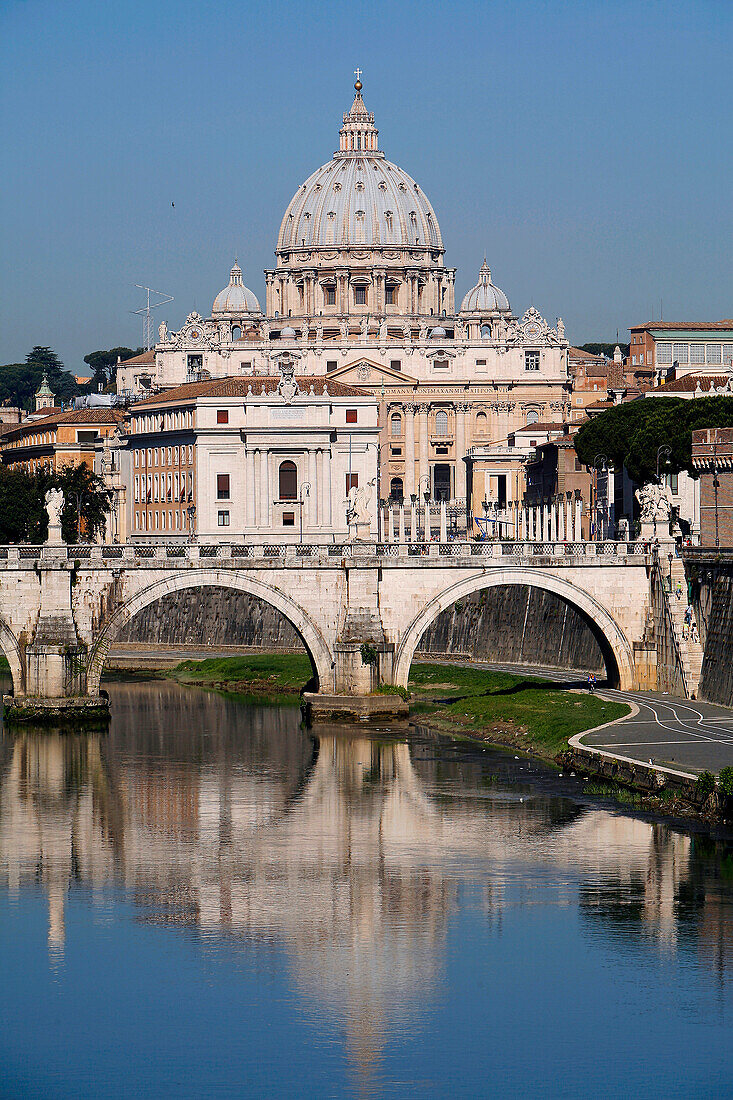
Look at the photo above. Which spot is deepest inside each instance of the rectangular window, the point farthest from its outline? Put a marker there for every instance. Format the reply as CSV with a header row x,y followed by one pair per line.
x,y
330,292
155,487
170,455
176,487
395,364
390,296
697,353
531,360
86,436
728,353
288,519
674,483
136,458
194,363
223,519
440,364
169,484
175,456
190,454
664,354
351,416
396,452
352,482
163,523
222,487
331,364
222,416
713,353
137,488
680,353
246,366
360,295
481,366
441,450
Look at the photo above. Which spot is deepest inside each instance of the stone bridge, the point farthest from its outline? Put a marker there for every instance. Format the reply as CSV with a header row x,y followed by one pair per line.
x,y
61,607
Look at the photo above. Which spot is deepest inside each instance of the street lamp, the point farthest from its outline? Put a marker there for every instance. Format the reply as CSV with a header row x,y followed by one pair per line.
x,y
426,491
600,462
663,452
305,492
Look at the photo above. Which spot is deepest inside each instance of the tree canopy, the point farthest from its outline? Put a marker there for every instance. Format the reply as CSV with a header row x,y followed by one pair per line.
x,y
103,363
20,381
631,434
23,516
605,349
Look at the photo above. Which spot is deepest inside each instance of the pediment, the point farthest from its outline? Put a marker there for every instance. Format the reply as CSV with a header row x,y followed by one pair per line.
x,y
366,372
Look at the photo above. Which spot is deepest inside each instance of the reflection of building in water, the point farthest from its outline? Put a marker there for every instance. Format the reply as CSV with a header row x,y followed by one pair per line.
x,y
349,855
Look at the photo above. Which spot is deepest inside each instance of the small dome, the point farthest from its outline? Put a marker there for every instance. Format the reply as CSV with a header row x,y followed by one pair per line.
x,y
438,333
235,298
485,297
288,333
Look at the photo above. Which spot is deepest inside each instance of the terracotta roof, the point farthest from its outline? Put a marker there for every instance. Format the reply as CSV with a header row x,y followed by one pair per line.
x,y
147,359
245,386
548,426
690,382
73,416
693,326
578,353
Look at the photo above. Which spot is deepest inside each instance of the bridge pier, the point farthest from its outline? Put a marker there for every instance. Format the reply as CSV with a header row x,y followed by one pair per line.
x,y
55,659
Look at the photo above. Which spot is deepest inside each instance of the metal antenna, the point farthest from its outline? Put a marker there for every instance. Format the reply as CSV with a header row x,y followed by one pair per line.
x,y
146,311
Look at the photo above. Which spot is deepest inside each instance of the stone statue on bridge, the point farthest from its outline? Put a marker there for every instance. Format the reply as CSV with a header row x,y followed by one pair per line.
x,y
357,513
655,502
54,501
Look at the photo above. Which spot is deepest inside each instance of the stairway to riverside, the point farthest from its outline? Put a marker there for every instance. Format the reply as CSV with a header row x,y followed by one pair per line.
x,y
690,652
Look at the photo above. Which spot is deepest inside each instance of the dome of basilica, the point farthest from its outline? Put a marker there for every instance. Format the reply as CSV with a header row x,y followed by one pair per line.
x,y
359,198
484,297
235,298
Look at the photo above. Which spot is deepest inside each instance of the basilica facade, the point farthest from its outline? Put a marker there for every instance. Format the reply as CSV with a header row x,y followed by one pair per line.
x,y
360,293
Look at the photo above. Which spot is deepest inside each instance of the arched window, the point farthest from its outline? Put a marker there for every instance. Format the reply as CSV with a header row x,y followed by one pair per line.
x,y
441,422
236,332
486,332
395,424
482,423
532,416
395,489
288,481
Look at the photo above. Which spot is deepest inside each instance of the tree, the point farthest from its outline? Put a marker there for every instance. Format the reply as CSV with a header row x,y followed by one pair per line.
x,y
630,435
44,357
605,349
20,381
23,516
22,511
103,363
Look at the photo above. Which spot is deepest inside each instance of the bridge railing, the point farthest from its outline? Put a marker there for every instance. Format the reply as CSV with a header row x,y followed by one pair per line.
x,y
173,555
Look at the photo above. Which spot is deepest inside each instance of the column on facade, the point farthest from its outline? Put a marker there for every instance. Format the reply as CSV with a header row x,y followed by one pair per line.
x,y
409,450
443,522
561,518
424,466
524,523
313,481
553,521
579,519
413,522
390,524
461,410
402,524
264,502
251,489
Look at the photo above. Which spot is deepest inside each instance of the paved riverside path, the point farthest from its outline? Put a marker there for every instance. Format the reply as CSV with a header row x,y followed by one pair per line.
x,y
685,734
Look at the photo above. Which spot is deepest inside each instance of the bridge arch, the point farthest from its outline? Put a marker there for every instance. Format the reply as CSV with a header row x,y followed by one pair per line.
x,y
11,648
614,644
311,636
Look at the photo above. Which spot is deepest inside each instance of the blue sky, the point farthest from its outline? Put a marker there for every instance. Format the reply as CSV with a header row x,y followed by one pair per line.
x,y
585,147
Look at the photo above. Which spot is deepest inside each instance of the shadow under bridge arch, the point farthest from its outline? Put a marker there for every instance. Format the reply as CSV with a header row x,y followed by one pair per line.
x,y
309,633
614,645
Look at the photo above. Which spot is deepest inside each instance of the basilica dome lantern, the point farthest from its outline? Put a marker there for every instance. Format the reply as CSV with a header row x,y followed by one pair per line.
x,y
358,236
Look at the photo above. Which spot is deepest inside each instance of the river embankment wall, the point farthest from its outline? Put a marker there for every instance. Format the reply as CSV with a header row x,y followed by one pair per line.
x,y
516,624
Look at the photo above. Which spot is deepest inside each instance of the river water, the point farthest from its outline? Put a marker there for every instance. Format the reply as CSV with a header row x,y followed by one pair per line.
x,y
209,900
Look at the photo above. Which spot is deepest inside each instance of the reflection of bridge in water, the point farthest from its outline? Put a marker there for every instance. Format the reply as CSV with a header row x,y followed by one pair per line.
x,y
349,853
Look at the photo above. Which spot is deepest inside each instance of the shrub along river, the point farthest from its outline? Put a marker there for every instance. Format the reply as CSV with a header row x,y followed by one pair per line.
x,y
211,900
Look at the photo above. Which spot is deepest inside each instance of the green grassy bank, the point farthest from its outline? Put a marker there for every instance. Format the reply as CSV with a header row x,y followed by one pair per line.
x,y
530,714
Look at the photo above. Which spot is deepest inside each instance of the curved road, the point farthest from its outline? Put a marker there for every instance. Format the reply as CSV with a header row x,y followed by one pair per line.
x,y
685,734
